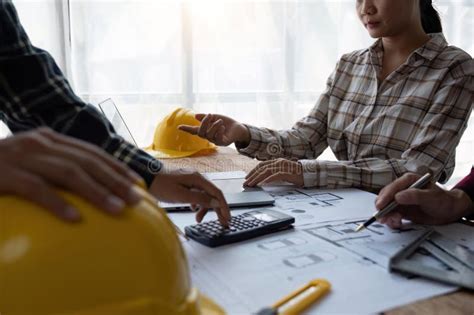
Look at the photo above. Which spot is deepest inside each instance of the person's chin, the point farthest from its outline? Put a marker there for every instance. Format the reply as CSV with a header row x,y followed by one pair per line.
x,y
375,34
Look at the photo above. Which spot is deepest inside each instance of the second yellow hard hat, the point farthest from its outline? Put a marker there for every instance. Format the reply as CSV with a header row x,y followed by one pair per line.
x,y
170,142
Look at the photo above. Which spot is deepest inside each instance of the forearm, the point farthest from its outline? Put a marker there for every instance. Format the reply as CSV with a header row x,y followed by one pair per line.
x,y
139,161
267,144
90,126
370,174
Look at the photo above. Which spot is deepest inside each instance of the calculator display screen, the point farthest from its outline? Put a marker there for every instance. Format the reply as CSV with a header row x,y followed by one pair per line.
x,y
264,217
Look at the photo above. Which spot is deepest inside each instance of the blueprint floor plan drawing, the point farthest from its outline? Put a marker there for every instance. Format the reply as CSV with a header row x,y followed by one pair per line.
x,y
324,199
309,206
377,243
246,276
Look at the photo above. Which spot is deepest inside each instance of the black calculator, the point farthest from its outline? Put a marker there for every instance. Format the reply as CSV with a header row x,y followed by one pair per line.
x,y
241,227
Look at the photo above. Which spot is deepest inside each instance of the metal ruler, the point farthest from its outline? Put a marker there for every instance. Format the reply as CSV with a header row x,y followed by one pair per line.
x,y
460,261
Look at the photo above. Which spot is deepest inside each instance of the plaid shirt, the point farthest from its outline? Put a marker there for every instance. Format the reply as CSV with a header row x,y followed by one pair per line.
x,y
412,121
34,93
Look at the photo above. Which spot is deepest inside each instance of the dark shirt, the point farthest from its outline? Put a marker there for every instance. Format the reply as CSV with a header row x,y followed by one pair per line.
x,y
34,93
467,185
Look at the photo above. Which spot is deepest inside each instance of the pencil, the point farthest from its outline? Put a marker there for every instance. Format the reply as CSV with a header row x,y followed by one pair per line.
x,y
420,183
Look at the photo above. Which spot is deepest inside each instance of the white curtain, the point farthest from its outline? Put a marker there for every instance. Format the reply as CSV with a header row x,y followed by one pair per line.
x,y
44,21
261,62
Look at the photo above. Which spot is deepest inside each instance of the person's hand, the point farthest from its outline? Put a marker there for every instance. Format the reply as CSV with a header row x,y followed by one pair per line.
x,y
275,171
219,129
33,164
432,205
184,186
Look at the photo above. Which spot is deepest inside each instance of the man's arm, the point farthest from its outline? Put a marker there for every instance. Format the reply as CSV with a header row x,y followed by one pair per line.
x,y
34,93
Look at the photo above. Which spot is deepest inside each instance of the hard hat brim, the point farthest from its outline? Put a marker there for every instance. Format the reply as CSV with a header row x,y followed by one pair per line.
x,y
208,306
174,154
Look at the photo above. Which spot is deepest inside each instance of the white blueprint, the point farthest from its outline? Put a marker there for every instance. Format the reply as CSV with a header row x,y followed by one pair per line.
x,y
247,276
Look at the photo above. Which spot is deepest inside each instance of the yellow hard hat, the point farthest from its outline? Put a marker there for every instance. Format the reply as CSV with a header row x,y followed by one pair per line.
x,y
170,142
124,265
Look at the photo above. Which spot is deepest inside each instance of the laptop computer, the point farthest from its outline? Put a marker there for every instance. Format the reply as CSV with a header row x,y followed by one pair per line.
x,y
242,199
231,187
112,113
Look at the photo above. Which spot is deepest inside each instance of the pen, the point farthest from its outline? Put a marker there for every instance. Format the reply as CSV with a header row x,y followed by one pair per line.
x,y
420,183
298,301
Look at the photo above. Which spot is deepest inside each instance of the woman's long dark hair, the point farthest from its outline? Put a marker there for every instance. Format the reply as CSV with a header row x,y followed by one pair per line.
x,y
430,19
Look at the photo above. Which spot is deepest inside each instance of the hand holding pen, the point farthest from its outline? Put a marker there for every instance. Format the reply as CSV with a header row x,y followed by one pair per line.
x,y
390,191
431,205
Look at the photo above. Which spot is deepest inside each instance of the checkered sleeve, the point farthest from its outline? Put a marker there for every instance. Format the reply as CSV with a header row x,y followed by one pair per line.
x,y
34,93
435,141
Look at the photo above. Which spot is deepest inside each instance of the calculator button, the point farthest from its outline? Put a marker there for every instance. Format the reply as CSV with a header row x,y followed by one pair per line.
x,y
249,218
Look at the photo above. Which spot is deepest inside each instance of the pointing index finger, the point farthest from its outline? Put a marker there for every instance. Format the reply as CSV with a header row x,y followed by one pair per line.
x,y
189,129
200,116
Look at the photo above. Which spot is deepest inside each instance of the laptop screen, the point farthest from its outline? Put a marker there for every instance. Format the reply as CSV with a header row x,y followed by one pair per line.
x,y
112,113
